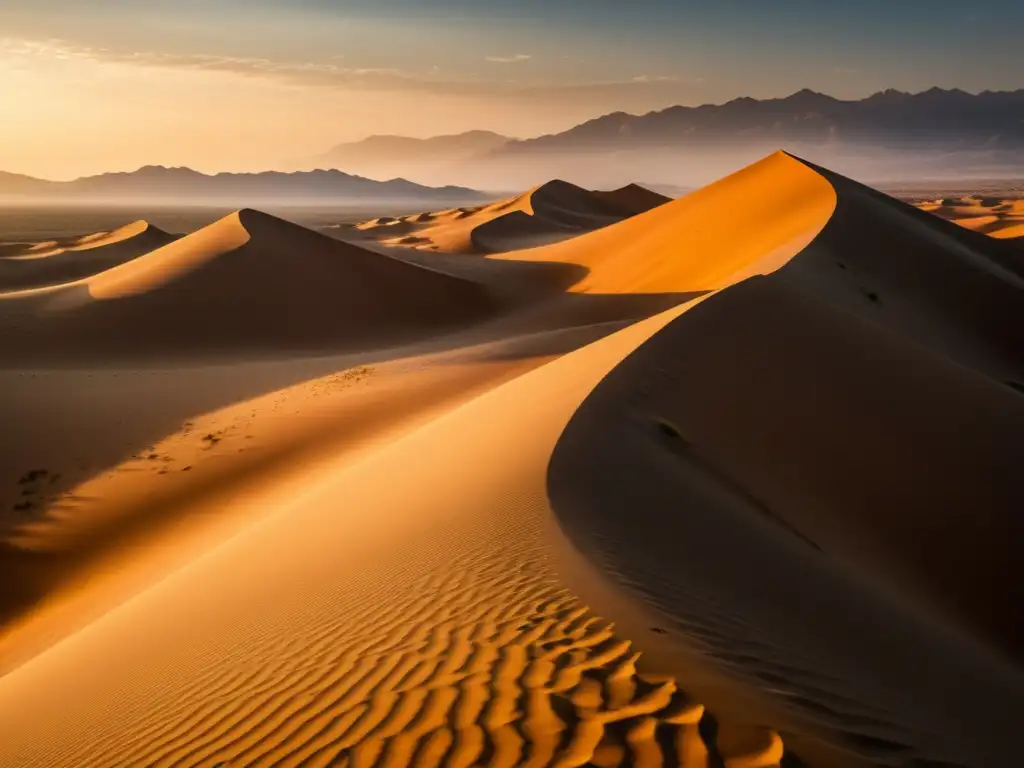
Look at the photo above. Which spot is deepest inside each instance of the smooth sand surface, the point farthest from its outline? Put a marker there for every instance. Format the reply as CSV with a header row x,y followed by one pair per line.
x,y
782,457
551,212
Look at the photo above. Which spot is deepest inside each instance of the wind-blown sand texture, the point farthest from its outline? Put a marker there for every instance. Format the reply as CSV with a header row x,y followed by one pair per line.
x,y
551,212
996,217
781,457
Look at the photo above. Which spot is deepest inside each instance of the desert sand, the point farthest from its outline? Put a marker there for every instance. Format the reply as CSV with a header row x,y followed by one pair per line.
x,y
34,265
549,213
729,481
1000,218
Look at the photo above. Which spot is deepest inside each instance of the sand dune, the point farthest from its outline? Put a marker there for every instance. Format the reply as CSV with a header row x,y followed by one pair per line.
x,y
821,404
792,486
248,282
34,265
554,211
631,199
693,243
996,217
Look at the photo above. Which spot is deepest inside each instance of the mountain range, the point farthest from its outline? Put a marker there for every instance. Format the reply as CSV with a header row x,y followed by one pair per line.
x,y
386,156
157,183
891,135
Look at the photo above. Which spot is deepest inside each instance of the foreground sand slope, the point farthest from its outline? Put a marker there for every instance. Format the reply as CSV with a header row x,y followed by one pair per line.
x,y
34,265
414,622
554,211
246,283
97,506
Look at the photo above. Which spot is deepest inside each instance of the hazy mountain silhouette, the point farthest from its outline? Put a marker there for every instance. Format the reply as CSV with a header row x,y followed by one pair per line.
x,y
159,183
384,156
19,184
890,135
889,119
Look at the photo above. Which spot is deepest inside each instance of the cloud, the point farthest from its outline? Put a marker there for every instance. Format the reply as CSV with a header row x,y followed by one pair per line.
x,y
654,79
514,59
338,73
329,73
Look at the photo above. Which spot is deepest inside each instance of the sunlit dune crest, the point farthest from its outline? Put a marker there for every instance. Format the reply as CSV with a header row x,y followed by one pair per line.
x,y
693,243
574,478
553,211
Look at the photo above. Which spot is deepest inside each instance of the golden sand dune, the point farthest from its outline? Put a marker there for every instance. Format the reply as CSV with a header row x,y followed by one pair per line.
x,y
551,212
692,244
247,282
34,265
996,217
795,495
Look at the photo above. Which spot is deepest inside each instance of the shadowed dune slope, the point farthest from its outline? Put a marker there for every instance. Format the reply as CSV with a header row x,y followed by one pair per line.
x,y
554,211
950,289
247,282
631,199
821,466
34,265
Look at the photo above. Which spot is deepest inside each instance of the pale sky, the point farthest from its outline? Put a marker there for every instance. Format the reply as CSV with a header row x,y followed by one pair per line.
x,y
105,85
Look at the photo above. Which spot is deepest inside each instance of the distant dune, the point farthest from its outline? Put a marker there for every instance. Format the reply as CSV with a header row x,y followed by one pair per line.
x,y
275,499
553,211
35,265
245,283
999,218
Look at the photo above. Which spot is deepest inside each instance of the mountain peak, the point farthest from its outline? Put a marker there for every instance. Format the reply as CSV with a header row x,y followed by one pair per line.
x,y
889,94
163,171
808,92
807,96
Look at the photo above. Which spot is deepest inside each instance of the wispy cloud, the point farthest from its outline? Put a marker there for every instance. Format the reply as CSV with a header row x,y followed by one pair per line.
x,y
513,59
327,73
338,72
655,79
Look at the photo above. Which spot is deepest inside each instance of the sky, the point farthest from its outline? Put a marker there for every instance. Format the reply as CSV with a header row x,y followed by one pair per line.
x,y
248,85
